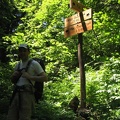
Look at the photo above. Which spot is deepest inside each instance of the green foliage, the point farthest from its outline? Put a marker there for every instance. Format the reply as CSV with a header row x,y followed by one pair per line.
x,y
40,23
9,20
48,111
103,90
103,42
8,17
5,89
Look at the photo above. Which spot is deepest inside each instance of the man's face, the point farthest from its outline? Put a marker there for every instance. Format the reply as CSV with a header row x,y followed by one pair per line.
x,y
23,53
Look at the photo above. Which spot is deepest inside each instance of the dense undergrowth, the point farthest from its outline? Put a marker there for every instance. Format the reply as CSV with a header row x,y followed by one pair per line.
x,y
103,88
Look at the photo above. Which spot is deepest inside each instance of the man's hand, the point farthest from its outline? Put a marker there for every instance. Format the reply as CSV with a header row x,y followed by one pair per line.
x,y
26,75
16,73
15,76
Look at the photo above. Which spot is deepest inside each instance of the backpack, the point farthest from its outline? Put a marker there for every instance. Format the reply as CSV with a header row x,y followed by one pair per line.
x,y
39,86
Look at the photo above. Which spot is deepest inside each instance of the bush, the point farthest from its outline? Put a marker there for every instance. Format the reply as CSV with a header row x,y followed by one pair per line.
x,y
49,111
5,88
103,90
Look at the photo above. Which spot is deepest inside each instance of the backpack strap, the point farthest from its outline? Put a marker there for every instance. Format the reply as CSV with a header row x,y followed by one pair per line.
x,y
26,69
28,64
18,67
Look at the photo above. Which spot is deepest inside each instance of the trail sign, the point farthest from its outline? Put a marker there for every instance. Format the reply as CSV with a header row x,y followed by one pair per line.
x,y
79,17
87,14
75,5
78,28
77,24
72,20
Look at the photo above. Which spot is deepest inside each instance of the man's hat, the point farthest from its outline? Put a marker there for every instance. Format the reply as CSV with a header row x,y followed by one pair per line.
x,y
24,46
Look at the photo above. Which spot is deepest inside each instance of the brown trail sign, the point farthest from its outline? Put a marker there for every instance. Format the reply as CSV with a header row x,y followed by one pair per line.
x,y
72,20
85,15
77,24
78,28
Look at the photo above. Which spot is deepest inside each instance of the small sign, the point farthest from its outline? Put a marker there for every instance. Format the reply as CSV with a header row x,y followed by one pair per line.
x,y
75,5
85,15
78,28
72,20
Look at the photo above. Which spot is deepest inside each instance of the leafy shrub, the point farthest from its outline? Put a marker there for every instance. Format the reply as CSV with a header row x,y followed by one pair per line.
x,y
5,89
103,90
102,93
49,111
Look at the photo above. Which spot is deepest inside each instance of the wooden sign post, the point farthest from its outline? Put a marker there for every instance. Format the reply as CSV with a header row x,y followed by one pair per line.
x,y
77,24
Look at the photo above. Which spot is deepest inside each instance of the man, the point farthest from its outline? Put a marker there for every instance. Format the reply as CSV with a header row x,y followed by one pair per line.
x,y
23,100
